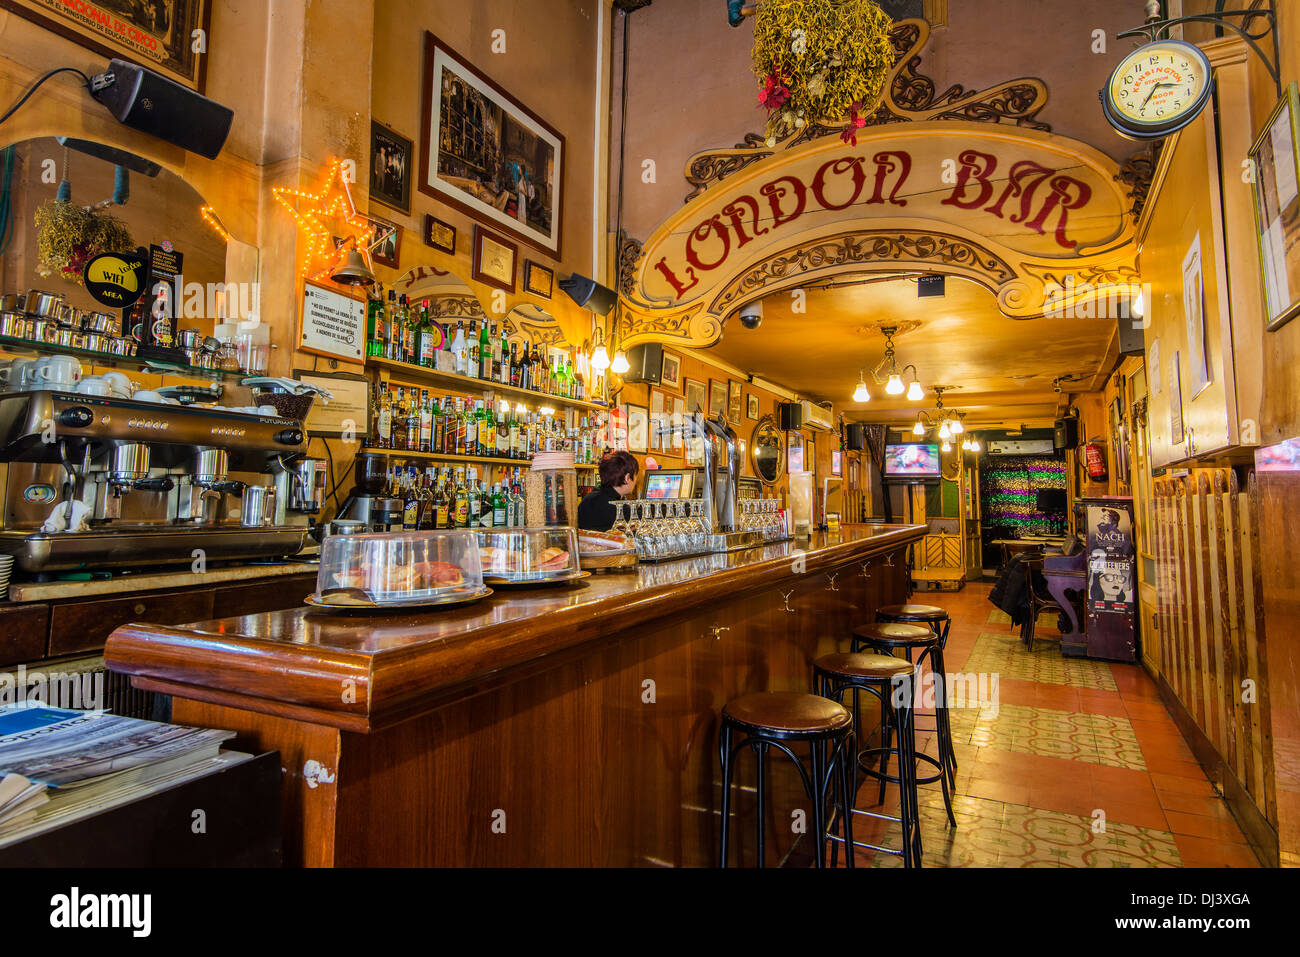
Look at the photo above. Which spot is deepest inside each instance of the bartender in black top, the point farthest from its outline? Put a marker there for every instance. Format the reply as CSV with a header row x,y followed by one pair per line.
x,y
618,471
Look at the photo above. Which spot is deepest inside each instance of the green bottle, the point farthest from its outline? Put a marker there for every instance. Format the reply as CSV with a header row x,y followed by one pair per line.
x,y
375,339
484,352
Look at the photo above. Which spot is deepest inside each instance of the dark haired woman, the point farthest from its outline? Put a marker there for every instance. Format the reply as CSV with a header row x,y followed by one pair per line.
x,y
618,471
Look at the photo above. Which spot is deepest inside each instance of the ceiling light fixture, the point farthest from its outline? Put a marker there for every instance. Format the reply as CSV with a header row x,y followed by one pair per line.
x,y
914,392
890,374
919,428
620,364
860,394
945,447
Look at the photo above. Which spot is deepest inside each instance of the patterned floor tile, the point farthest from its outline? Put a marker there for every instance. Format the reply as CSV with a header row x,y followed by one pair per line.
x,y
999,617
994,834
1090,738
1006,656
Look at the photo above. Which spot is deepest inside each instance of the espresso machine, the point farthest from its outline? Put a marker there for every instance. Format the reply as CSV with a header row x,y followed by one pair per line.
x,y
99,482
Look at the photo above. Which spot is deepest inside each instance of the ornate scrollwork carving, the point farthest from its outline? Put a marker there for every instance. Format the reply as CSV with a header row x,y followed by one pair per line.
x,y
910,97
629,251
457,307
868,246
1136,173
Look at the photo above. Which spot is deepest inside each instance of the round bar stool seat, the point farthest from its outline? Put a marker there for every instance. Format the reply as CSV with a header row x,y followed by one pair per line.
x,y
777,719
853,665
788,714
893,635
910,612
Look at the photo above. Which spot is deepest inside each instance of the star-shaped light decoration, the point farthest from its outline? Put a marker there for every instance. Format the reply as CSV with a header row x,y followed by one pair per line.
x,y
332,201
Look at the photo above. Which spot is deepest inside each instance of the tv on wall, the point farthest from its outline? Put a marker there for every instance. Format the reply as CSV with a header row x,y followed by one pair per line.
x,y
912,462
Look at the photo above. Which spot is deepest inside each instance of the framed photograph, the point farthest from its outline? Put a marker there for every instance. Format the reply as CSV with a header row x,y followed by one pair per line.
x,y
638,428
670,374
1277,209
751,407
658,419
1175,401
538,279
494,259
390,167
1198,360
387,251
793,453
810,455
158,35
696,397
717,398
735,401
837,462
676,442
440,235
485,153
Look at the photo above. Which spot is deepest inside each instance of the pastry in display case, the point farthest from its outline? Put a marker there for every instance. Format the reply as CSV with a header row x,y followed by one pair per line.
x,y
399,570
529,556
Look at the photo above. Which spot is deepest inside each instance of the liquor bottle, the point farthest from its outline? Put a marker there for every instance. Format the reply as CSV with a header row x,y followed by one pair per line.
x,y
384,420
412,421
462,502
520,515
502,434
459,348
392,348
498,506
471,432
445,501
580,387
525,369
397,422
410,501
538,379
430,337
503,358
426,422
484,352
513,447
435,426
475,498
514,364
408,331
375,340
471,350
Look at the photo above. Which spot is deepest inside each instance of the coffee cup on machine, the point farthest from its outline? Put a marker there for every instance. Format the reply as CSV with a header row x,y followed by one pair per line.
x,y
57,372
119,384
93,385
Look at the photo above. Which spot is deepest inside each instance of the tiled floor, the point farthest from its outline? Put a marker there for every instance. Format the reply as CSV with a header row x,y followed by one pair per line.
x,y
1076,764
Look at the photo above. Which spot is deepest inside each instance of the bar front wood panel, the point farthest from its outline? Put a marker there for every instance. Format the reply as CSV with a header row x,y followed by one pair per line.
x,y
583,732
82,626
23,630
1210,608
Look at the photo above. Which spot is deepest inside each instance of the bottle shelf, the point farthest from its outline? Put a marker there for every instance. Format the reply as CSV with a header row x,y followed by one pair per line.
x,y
443,457
21,346
454,381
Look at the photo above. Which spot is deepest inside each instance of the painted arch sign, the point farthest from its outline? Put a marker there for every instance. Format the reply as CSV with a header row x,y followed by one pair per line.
x,y
1042,221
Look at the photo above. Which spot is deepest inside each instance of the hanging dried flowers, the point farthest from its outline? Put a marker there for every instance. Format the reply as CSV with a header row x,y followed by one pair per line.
x,y
822,61
68,236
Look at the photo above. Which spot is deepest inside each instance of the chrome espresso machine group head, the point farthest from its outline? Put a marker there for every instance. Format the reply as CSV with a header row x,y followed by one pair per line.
x,y
91,481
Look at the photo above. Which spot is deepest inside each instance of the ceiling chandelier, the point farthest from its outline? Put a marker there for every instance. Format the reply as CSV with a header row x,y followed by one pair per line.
x,y
948,424
892,375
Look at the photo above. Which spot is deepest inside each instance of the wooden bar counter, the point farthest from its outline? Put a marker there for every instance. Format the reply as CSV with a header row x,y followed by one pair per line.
x,y
562,726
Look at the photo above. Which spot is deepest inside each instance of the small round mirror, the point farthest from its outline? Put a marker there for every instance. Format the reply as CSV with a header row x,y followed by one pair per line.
x,y
767,453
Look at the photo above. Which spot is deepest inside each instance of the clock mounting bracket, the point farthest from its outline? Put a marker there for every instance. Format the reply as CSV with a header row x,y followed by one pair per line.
x,y
1157,27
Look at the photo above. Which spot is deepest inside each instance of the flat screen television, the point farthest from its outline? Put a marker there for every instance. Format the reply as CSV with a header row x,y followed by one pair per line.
x,y
913,462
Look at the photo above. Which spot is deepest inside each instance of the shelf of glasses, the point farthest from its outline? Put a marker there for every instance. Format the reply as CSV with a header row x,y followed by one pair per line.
x,y
456,381
109,359
444,457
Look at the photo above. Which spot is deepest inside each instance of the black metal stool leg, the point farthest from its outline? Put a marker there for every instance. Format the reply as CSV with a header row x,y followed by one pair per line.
x,y
760,752
817,756
725,738
847,752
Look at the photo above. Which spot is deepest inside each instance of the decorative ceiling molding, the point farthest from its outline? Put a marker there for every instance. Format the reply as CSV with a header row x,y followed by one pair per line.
x,y
910,97
1136,173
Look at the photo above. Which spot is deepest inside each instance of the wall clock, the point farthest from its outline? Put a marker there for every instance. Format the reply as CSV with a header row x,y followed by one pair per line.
x,y
1157,89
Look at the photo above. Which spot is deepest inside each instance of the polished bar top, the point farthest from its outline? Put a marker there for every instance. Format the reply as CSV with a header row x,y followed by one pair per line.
x,y
365,671
153,581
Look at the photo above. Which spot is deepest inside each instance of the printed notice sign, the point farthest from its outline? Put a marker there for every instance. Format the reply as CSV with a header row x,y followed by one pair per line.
x,y
332,324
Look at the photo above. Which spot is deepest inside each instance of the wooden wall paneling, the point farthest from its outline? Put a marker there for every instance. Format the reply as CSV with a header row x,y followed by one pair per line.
x,y
1182,609
1220,600
24,630
1201,605
1227,495
1256,651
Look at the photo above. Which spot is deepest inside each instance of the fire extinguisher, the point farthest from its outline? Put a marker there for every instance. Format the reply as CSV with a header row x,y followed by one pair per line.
x,y
1094,460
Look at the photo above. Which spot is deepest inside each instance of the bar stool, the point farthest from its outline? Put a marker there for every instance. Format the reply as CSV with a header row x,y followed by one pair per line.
x,y
893,681
779,719
913,639
938,621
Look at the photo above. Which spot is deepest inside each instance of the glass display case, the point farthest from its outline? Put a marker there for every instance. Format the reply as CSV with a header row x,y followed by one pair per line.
x,y
395,569
527,555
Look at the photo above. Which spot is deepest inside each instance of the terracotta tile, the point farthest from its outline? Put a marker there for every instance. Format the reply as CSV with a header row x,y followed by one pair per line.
x,y
1202,825
1159,763
1205,852
1192,803
1008,792
1183,784
1139,813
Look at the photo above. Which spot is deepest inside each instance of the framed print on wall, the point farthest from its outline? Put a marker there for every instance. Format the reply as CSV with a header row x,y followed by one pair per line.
x,y
485,153
494,259
670,373
638,428
386,253
440,235
751,407
390,167
1277,209
157,35
717,398
696,397
538,279
676,442
735,401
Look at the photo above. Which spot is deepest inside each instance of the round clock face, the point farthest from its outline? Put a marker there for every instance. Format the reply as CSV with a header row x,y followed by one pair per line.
x,y
1157,89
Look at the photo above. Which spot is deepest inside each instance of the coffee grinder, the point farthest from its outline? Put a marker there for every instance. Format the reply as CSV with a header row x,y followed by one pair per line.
x,y
367,502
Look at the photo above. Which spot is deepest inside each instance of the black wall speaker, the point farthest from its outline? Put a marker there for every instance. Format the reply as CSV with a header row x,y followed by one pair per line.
x,y
1065,433
928,286
153,104
587,292
647,363
791,415
856,439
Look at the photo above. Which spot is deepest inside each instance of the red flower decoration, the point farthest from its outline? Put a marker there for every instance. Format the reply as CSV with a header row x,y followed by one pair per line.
x,y
775,94
856,123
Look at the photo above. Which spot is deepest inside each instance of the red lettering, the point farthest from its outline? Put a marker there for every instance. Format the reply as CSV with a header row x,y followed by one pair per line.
x,y
1022,181
838,166
977,166
678,286
775,193
1063,197
885,166
735,211
701,233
